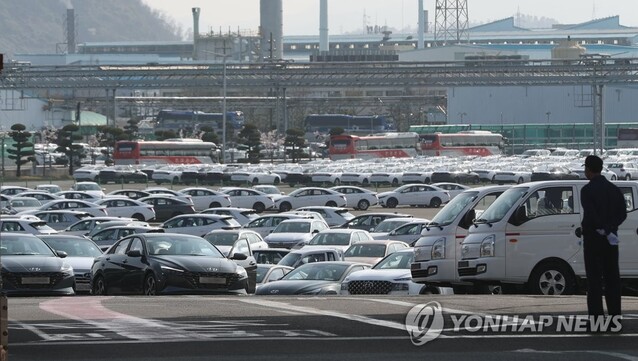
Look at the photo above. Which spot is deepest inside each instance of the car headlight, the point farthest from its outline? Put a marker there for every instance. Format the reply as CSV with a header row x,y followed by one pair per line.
x,y
487,246
344,286
438,249
67,269
241,272
171,269
400,287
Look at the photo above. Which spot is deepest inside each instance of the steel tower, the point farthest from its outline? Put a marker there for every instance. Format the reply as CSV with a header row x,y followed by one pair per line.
x,y
451,22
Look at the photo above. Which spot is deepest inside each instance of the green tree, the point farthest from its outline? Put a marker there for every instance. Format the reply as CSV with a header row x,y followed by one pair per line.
x,y
295,141
22,150
336,131
131,129
208,135
251,137
67,136
107,136
165,134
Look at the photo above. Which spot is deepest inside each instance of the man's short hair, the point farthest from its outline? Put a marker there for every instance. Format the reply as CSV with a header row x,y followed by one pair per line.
x,y
594,163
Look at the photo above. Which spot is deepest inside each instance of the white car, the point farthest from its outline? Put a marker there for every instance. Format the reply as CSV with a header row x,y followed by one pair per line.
x,y
89,187
393,177
13,190
310,196
249,198
416,175
453,189
168,174
42,196
20,204
129,208
414,195
357,197
338,238
624,170
268,189
88,173
241,215
354,177
409,232
291,232
224,239
75,205
85,196
60,219
199,224
255,176
265,224
514,174
333,178
334,216
204,198
391,276
25,225
51,188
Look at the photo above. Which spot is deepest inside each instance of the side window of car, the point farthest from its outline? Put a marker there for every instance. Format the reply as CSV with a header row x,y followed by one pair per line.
x,y
136,245
241,246
629,198
331,256
121,247
82,226
276,274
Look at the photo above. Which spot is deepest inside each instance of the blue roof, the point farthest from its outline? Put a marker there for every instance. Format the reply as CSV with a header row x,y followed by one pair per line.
x,y
499,25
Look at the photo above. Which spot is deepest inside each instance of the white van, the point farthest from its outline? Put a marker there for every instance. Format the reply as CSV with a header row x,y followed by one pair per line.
x,y
437,251
531,236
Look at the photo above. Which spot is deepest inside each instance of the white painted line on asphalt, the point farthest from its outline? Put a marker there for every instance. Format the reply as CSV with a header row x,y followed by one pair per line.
x,y
409,304
43,335
619,355
315,311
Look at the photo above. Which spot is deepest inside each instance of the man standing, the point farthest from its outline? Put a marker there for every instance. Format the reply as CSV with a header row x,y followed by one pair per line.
x,y
603,212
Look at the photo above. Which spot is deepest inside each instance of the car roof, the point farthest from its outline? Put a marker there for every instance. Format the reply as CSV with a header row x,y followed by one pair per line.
x,y
341,230
316,249
377,241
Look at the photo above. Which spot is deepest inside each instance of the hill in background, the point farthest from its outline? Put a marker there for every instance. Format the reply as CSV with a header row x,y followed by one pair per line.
x,y
37,26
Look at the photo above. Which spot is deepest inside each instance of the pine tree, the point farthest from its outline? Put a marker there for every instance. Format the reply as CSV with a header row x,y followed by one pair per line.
x,y
22,151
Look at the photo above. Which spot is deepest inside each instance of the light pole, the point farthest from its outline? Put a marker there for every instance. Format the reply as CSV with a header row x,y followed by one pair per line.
x,y
548,114
462,115
224,57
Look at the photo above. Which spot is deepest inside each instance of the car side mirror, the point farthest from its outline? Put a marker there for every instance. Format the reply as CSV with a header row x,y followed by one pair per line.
x,y
519,216
61,254
239,257
134,253
392,233
315,231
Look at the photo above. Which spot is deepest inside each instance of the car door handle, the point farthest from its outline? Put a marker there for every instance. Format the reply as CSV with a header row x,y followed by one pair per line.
x,y
108,259
578,232
125,261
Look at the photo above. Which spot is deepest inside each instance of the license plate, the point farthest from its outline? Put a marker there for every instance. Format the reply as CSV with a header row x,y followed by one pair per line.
x,y
213,280
82,287
415,266
35,280
464,264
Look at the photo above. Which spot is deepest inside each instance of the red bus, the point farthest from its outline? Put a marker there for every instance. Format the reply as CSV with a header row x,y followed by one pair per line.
x,y
170,151
386,145
471,142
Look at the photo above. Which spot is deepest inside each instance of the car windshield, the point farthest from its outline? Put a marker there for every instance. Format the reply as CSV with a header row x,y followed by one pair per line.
x,y
365,250
74,247
181,245
502,205
24,246
397,260
290,259
25,202
41,226
388,225
222,239
451,210
317,272
250,214
330,239
345,214
292,227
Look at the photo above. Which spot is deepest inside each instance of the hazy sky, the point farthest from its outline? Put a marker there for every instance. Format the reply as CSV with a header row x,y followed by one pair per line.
x,y
301,17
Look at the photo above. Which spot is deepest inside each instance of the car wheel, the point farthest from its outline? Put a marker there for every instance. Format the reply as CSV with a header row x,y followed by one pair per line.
x,y
552,278
259,207
395,182
435,202
392,203
331,204
214,205
613,177
285,207
255,181
139,217
365,182
99,287
520,180
363,205
427,181
628,177
150,285
175,180
277,180
337,182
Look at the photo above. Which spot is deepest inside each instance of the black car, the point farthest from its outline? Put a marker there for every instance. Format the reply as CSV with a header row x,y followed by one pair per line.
x,y
167,207
166,263
121,175
553,173
456,176
369,221
31,267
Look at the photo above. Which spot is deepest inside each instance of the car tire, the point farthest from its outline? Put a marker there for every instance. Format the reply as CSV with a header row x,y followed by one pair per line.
x,y
337,182
150,285
259,207
427,181
435,202
214,205
285,207
552,278
628,177
277,180
613,177
395,182
392,203
98,287
520,180
363,205
255,181
139,217
365,182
